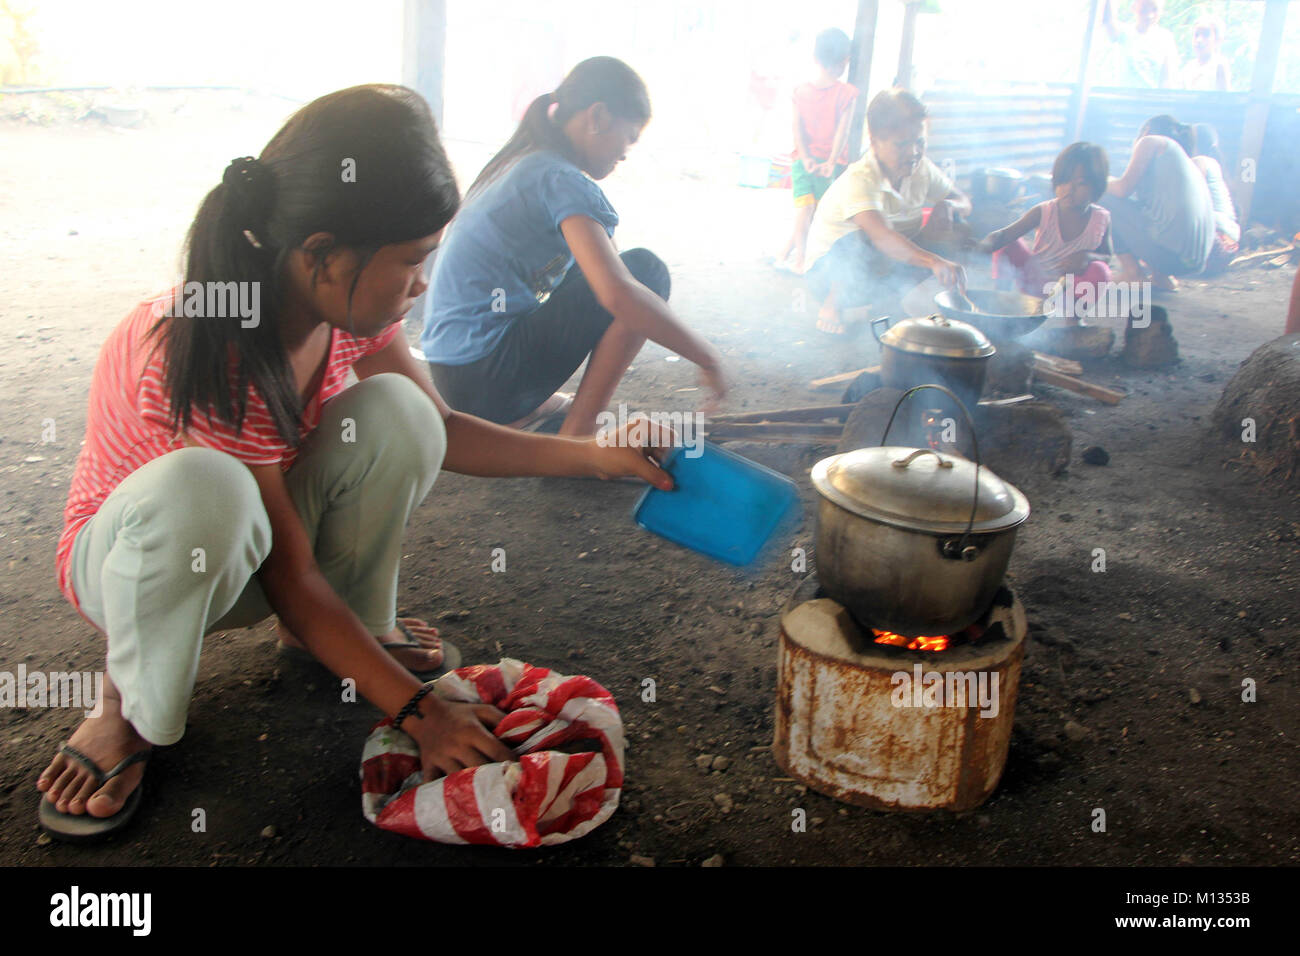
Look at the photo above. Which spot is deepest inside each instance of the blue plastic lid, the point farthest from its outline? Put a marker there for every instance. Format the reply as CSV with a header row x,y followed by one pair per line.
x,y
723,506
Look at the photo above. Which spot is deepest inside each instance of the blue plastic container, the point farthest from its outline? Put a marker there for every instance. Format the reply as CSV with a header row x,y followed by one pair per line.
x,y
723,505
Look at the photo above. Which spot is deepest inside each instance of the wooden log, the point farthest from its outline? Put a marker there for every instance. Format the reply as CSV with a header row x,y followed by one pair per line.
x,y
1079,386
1254,256
812,413
1057,364
842,377
775,431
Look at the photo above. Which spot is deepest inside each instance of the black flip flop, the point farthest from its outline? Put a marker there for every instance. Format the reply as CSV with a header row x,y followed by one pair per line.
x,y
82,827
451,656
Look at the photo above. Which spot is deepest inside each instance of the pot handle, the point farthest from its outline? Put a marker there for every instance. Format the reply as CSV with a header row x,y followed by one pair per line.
x,y
958,549
875,322
904,462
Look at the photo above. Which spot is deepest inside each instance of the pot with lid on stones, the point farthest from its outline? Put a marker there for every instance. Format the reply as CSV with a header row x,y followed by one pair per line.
x,y
911,540
934,349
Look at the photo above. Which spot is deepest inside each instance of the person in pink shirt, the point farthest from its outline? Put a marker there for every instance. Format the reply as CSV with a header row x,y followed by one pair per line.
x,y
1071,231
230,473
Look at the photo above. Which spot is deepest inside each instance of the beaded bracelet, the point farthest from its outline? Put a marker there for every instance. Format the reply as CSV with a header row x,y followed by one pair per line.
x,y
412,706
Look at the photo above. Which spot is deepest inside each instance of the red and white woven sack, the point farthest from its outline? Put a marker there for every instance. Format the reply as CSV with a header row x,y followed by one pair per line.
x,y
543,798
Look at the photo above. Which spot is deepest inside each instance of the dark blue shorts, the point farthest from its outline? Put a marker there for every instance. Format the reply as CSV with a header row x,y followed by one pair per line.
x,y
543,349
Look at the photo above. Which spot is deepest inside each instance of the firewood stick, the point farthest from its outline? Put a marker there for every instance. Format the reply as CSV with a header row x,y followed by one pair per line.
x,y
793,431
842,377
1253,256
1069,383
812,413
1058,364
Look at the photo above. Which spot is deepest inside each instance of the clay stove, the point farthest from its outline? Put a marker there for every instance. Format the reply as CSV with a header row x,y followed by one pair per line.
x,y
894,721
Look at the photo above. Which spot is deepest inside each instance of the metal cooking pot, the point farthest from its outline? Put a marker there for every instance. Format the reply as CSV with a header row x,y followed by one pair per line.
x,y
912,541
935,349
998,184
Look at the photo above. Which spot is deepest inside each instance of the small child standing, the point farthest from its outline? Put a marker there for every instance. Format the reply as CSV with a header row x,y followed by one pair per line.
x,y
822,113
1072,232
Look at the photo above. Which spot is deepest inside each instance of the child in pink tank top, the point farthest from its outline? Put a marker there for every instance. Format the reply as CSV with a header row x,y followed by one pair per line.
x,y
1071,232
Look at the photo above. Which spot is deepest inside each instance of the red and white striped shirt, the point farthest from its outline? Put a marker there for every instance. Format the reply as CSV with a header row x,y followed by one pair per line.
x,y
128,421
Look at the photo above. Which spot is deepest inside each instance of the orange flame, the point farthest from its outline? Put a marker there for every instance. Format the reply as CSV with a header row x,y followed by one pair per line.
x,y
911,643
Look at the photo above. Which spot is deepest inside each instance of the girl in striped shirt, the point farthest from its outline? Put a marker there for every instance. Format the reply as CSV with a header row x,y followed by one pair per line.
x,y
229,472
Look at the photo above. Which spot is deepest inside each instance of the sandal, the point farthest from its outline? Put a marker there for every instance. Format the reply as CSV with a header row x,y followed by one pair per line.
x,y
451,656
82,827
550,413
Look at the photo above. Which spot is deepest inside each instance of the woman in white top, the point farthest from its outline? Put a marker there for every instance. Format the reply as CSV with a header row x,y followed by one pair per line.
x,y
1227,231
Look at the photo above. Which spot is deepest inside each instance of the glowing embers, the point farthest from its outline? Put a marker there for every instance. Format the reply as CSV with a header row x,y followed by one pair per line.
x,y
911,643
967,635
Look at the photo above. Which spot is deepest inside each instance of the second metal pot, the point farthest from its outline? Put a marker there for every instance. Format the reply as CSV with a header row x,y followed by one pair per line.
x,y
934,350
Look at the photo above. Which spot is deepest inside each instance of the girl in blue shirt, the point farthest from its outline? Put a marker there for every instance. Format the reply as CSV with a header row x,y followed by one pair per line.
x,y
528,282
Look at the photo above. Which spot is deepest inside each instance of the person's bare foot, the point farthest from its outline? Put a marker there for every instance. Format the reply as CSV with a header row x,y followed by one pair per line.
x,y
107,740
829,321
424,654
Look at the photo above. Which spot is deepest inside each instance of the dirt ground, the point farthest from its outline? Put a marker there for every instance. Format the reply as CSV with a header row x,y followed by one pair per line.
x,y
1199,592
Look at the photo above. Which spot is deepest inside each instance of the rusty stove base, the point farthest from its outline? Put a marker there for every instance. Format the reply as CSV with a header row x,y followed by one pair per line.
x,y
859,722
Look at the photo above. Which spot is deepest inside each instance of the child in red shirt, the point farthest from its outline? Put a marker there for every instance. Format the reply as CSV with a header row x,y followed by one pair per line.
x,y
823,110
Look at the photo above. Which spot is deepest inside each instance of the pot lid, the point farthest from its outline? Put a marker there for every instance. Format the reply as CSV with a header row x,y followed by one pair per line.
x,y
938,335
919,490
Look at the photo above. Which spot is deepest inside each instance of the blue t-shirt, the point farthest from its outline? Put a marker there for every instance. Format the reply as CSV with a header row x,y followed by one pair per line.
x,y
504,254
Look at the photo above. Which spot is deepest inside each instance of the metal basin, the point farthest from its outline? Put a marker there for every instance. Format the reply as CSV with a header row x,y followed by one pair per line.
x,y
1002,316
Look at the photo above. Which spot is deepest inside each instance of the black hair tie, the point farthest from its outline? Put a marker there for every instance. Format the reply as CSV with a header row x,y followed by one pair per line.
x,y
251,183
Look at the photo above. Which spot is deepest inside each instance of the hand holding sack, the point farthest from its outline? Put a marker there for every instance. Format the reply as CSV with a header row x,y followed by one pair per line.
x,y
543,798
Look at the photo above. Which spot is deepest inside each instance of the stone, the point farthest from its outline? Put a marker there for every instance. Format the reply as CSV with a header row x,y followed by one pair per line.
x,y
713,861
1020,441
1078,342
268,833
1194,695
1257,417
1095,455
721,763
724,802
704,762
635,860
1152,346
1076,731
1010,370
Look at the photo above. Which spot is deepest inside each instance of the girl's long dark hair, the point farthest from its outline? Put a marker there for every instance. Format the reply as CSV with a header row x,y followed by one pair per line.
x,y
600,79
1180,133
362,164
1207,142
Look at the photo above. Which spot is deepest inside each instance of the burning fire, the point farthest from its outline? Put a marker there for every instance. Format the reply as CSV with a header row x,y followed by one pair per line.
x,y
911,643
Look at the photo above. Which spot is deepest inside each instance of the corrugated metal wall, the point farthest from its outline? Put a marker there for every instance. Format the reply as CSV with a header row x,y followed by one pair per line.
x,y
1023,130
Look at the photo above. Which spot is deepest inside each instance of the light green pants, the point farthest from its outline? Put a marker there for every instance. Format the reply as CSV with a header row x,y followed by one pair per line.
x,y
171,554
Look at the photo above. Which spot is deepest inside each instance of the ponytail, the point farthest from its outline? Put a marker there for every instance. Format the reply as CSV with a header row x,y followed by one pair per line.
x,y
223,246
600,79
